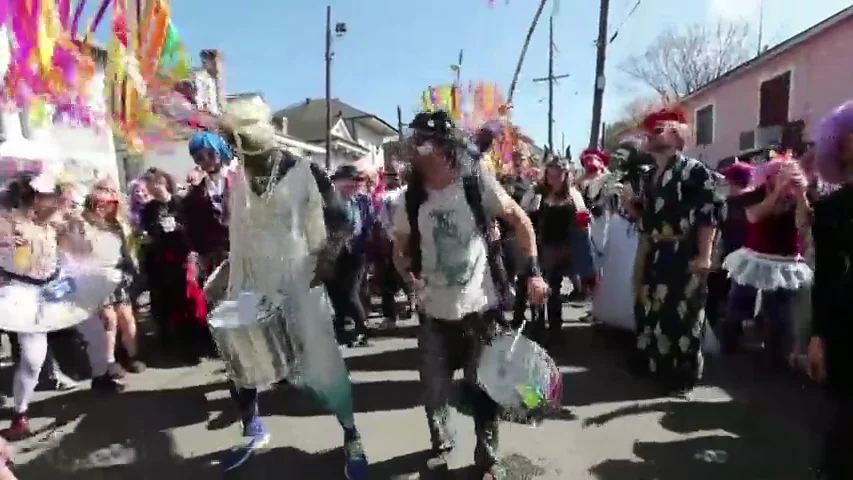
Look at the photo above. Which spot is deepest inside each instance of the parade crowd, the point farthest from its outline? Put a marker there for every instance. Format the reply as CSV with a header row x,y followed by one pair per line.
x,y
750,248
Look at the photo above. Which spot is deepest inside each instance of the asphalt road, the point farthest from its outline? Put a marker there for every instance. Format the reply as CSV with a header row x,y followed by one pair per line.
x,y
174,423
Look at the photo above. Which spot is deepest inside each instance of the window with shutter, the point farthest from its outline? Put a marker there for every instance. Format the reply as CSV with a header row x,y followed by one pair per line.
x,y
775,98
705,125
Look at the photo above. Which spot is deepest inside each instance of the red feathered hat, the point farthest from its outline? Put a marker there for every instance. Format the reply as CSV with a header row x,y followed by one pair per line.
x,y
666,115
592,153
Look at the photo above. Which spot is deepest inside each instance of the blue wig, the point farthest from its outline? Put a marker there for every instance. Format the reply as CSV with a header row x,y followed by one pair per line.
x,y
213,142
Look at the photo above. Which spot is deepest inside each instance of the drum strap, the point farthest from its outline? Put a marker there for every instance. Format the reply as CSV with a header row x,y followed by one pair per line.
x,y
29,280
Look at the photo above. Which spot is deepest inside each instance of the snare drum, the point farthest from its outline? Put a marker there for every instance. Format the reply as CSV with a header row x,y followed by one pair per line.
x,y
256,347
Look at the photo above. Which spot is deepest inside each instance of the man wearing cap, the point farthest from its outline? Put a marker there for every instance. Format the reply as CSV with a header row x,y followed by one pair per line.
x,y
345,288
444,236
677,212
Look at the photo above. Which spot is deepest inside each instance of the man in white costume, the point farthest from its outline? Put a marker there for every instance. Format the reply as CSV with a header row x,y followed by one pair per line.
x,y
287,227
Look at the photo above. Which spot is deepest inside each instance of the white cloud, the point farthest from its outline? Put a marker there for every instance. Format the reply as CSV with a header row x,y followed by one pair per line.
x,y
734,9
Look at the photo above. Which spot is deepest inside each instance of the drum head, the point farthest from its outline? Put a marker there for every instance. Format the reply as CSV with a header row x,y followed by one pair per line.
x,y
525,378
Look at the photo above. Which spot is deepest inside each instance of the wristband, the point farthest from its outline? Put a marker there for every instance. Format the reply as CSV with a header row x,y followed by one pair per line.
x,y
531,267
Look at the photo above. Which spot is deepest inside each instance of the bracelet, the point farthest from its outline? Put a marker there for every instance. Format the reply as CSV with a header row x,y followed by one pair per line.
x,y
531,267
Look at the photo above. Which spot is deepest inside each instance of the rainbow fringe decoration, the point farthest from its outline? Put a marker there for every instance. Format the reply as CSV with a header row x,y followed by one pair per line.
x,y
52,63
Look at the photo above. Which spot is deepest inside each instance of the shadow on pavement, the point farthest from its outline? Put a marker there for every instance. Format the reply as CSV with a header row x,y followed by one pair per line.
x,y
404,330
406,359
118,437
756,444
367,396
598,375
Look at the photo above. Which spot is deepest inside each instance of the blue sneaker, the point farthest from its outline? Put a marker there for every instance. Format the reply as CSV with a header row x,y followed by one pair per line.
x,y
356,467
255,439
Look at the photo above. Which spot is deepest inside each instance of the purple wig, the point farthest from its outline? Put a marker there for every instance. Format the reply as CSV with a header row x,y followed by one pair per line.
x,y
829,137
135,206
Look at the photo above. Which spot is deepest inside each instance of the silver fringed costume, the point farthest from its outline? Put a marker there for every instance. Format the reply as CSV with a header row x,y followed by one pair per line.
x,y
273,324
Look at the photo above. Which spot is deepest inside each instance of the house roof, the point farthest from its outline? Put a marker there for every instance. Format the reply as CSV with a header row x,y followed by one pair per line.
x,y
777,50
307,119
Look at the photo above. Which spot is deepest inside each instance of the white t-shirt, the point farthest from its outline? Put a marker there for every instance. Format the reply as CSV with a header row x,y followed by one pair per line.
x,y
456,272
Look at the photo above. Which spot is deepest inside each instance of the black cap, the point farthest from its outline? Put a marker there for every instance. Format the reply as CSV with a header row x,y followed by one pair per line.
x,y
438,124
347,172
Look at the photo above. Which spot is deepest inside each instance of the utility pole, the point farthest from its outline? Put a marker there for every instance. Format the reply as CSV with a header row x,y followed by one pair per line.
x,y
399,123
456,68
340,30
759,47
598,95
551,79
328,88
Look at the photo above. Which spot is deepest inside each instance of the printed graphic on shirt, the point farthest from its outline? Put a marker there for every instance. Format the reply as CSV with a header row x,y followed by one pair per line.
x,y
451,249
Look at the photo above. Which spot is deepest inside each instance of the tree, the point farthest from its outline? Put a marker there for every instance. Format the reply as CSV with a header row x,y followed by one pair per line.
x,y
614,133
524,47
631,117
680,61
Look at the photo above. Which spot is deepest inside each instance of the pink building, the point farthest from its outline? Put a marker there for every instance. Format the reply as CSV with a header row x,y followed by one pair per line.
x,y
777,97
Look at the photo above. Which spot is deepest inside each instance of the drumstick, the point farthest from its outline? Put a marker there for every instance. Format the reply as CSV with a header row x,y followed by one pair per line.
x,y
213,275
515,340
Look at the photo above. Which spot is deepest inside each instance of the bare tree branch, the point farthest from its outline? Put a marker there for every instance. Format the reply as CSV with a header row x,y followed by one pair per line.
x,y
680,61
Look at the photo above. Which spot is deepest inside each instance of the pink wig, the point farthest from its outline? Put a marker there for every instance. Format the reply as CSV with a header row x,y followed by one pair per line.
x,y
829,137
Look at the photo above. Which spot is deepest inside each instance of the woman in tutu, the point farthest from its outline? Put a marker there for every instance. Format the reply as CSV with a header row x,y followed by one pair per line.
x,y
109,234
770,261
45,289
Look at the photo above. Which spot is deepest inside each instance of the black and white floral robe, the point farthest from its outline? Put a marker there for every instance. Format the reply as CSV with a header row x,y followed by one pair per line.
x,y
670,303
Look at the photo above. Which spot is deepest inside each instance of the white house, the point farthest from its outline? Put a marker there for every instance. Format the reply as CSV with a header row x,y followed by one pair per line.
x,y
357,137
29,142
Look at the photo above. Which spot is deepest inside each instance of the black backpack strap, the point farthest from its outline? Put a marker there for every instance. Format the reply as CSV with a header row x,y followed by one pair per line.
x,y
474,197
415,196
336,218
335,212
472,186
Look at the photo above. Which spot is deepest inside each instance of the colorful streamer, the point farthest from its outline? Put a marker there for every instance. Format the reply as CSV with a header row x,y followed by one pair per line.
x,y
52,66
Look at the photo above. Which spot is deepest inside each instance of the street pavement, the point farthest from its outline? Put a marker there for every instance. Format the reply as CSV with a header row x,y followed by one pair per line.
x,y
174,423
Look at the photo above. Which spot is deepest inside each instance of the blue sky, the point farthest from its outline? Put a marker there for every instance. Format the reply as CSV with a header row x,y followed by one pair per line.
x,y
394,49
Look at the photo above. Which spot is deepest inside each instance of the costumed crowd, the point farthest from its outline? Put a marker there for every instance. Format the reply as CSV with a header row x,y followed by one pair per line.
x,y
265,261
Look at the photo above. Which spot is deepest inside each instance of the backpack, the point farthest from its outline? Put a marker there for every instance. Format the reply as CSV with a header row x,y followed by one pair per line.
x,y
416,195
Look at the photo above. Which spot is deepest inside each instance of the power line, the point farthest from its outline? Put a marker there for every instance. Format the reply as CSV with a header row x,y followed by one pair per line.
x,y
624,21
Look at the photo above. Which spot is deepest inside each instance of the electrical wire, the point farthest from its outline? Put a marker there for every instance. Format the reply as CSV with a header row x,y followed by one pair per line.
x,y
624,21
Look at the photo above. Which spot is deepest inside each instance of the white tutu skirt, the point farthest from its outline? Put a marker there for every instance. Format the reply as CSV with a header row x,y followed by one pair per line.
x,y
767,272
77,292
613,303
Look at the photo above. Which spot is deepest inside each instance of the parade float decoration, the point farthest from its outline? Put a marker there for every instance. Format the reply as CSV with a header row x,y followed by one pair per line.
x,y
482,106
53,65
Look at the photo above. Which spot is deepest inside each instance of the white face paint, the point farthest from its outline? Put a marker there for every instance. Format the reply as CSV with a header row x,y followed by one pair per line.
x,y
425,148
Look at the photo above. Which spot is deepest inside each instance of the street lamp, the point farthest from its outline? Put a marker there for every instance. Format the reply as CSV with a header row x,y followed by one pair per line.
x,y
339,31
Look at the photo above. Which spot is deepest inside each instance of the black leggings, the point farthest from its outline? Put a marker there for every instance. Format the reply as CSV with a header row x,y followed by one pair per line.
x,y
345,293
